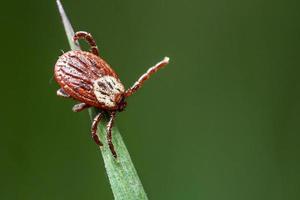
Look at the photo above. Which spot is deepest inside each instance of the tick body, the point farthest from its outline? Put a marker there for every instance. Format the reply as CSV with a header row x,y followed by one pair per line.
x,y
88,79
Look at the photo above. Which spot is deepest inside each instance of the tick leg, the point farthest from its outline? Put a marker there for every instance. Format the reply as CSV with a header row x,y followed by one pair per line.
x,y
89,39
60,92
80,107
108,132
94,128
146,76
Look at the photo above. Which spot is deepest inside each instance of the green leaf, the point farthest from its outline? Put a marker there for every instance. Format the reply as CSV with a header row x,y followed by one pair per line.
x,y
123,178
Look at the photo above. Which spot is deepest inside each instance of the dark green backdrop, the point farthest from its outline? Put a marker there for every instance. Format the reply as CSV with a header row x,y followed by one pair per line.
x,y
220,122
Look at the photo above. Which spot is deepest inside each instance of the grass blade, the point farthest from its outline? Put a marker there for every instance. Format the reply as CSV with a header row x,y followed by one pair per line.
x,y
67,26
123,178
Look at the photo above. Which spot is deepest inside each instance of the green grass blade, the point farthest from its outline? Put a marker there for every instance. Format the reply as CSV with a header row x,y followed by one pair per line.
x,y
123,178
67,26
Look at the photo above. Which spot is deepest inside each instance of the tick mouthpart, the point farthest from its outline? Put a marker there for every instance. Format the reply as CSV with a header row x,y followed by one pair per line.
x,y
122,104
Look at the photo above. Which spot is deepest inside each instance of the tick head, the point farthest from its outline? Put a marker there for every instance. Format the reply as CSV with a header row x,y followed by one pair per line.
x,y
109,92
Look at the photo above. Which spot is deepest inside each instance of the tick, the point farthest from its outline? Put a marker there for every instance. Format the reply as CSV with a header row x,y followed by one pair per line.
x,y
87,78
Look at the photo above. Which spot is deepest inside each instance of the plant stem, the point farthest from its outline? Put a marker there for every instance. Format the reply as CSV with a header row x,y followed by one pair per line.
x,y
123,178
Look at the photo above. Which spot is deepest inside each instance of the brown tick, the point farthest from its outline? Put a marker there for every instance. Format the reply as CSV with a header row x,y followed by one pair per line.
x,y
87,78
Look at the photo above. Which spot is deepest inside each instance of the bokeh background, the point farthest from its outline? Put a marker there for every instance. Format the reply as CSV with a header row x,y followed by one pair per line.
x,y
220,122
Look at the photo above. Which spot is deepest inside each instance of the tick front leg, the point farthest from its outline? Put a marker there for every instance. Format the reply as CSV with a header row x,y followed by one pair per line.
x,y
80,107
90,40
60,92
94,128
146,76
108,132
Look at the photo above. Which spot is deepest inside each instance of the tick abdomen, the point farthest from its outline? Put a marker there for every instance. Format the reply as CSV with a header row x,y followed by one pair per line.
x,y
77,71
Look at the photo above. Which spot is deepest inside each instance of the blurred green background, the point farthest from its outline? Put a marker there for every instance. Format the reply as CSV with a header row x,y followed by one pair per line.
x,y
220,122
